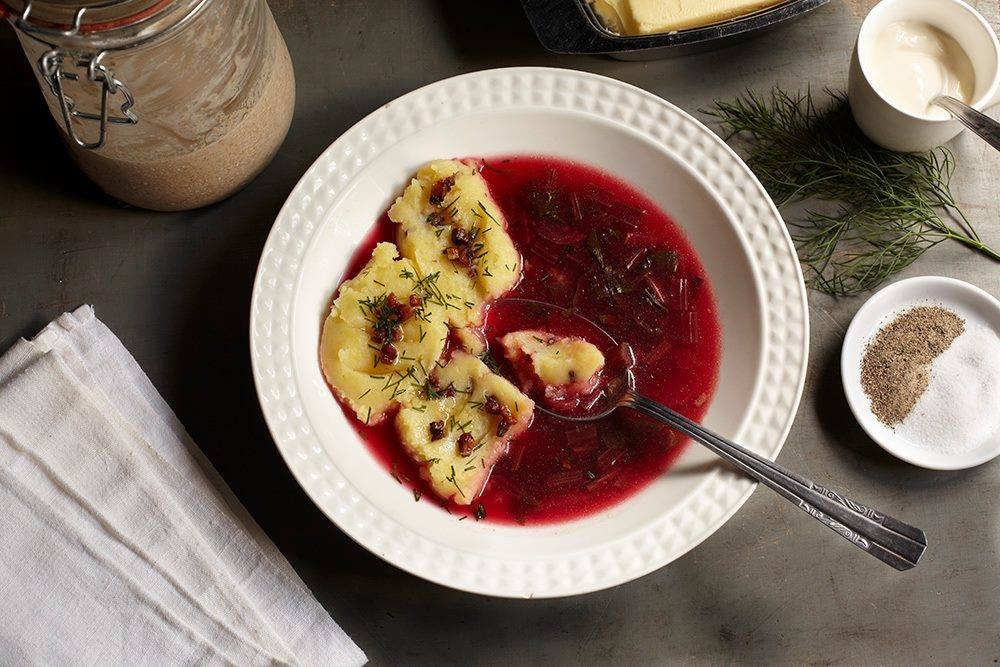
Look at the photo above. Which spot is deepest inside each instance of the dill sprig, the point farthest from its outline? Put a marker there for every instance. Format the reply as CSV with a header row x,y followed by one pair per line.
x,y
867,212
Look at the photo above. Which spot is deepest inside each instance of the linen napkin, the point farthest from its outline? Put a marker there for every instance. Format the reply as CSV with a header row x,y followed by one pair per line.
x,y
119,543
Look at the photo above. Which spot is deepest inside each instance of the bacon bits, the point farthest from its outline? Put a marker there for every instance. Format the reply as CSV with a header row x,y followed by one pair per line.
x,y
447,392
440,190
459,236
388,354
492,406
466,443
461,255
436,430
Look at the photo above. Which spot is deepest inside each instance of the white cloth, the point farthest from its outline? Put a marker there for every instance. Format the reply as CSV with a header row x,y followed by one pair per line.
x,y
119,543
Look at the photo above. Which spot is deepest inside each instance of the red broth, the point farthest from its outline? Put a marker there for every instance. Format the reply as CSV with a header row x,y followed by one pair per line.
x,y
596,244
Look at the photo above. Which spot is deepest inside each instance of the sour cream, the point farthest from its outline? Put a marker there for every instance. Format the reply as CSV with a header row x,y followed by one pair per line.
x,y
913,62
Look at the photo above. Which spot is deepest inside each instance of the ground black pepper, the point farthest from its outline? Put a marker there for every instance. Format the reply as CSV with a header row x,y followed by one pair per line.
x,y
895,367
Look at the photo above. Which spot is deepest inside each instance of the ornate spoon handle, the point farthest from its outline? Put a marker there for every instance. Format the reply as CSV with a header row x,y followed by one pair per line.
x,y
977,121
888,539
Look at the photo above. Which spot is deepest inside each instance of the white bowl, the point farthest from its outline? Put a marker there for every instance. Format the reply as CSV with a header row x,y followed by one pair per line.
x,y
682,166
965,300
899,130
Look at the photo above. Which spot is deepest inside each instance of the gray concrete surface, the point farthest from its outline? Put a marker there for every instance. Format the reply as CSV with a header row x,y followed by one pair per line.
x,y
769,587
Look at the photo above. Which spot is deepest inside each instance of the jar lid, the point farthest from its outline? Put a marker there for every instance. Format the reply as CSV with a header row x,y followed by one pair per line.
x,y
97,23
97,15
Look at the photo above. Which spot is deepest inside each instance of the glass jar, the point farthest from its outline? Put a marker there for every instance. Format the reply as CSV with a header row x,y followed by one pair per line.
x,y
165,104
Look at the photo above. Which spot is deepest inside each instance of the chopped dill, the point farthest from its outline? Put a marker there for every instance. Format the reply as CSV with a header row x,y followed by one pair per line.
x,y
430,391
451,478
869,212
394,382
488,214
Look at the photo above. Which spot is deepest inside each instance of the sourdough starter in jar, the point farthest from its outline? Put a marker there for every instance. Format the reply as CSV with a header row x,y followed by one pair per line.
x,y
213,101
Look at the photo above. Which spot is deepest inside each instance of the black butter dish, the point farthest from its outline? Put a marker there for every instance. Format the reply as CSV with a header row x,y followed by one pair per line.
x,y
572,27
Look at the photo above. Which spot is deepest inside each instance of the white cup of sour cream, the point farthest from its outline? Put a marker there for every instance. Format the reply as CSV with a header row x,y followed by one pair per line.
x,y
909,50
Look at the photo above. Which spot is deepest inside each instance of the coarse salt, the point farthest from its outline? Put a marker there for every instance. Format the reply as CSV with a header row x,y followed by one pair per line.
x,y
960,410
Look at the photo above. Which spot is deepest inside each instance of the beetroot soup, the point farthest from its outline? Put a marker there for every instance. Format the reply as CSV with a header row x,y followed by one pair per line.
x,y
592,243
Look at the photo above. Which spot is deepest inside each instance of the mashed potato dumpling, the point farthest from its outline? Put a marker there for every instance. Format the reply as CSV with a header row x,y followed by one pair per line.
x,y
462,426
363,321
382,343
450,226
555,365
470,339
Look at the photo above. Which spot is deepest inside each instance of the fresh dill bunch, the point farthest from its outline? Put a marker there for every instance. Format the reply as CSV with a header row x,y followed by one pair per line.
x,y
887,207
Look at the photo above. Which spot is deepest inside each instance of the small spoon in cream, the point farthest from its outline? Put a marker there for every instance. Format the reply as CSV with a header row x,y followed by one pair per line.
x,y
891,541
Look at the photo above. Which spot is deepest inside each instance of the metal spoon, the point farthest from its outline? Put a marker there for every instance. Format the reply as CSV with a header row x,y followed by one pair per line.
x,y
977,121
888,539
